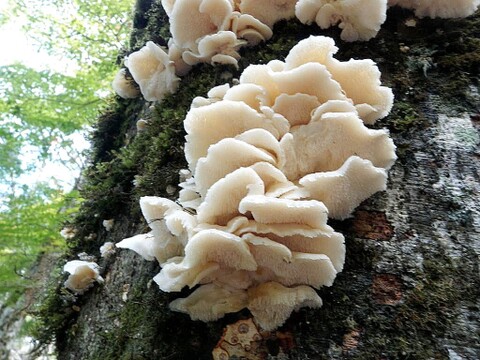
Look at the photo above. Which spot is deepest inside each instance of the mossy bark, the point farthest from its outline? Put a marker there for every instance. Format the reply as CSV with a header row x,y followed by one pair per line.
x,y
410,285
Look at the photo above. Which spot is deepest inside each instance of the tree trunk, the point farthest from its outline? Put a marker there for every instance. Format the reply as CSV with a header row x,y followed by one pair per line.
x,y
410,284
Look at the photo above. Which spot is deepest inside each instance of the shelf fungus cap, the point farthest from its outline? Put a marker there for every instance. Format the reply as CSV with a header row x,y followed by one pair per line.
x,y
338,136
153,71
344,189
310,78
211,302
231,189
228,250
271,303
224,157
82,275
359,79
269,210
207,125
289,267
325,241
168,6
175,275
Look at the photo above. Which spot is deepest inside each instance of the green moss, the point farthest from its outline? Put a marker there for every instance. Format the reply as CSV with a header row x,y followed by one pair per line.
x,y
52,311
405,118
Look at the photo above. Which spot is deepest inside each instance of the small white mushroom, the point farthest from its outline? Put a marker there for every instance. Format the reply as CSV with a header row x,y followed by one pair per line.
x,y
68,232
108,224
82,275
153,71
124,87
107,249
142,125
175,55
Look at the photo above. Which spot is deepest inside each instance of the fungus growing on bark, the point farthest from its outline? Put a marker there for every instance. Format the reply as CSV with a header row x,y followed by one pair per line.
x,y
191,20
153,71
124,87
107,249
439,8
82,275
270,159
271,303
170,230
218,48
358,19
269,11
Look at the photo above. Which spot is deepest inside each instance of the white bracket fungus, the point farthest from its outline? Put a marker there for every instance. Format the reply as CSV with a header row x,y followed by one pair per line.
x,y
82,275
358,19
213,31
264,179
268,11
439,8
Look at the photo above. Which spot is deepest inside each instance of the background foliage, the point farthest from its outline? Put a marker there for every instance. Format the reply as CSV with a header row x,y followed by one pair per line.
x,y
43,110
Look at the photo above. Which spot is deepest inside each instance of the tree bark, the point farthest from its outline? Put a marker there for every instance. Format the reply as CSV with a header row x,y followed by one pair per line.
x,y
411,283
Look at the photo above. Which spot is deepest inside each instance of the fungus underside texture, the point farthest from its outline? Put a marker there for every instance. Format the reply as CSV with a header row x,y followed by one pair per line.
x,y
429,292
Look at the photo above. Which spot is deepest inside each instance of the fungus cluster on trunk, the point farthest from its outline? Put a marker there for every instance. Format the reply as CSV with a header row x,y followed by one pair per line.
x,y
213,31
270,159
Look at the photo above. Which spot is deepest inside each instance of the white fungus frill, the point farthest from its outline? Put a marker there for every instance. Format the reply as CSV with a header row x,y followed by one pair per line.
x,y
270,160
